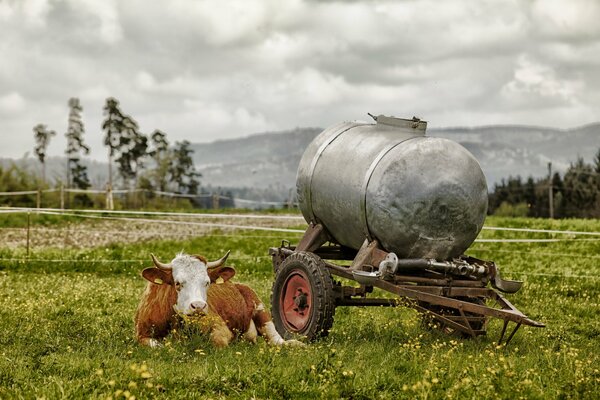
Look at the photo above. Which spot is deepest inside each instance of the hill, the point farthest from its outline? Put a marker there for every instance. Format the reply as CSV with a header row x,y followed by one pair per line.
x,y
263,166
271,159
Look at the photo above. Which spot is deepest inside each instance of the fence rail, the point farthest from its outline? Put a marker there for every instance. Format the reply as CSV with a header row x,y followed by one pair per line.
x,y
216,197
230,226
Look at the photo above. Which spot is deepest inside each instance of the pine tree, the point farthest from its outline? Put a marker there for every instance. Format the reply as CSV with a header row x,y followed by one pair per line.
x,y
127,145
530,198
579,185
133,147
112,126
76,172
182,170
162,159
42,138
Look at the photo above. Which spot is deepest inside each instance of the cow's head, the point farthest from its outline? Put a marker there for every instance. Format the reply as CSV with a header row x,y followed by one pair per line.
x,y
190,275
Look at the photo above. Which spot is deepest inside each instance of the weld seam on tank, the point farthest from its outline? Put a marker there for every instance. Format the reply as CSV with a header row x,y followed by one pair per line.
x,y
365,186
316,158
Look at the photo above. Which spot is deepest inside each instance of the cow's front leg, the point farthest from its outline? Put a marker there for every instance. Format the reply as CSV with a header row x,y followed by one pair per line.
x,y
251,334
220,335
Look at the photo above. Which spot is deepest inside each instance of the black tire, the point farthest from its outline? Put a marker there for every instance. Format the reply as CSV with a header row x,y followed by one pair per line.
x,y
309,269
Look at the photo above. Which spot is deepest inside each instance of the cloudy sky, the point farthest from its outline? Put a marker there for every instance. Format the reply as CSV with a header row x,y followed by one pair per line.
x,y
205,70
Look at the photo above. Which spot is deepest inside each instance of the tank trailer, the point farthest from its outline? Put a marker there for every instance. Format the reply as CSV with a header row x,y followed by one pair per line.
x,y
401,208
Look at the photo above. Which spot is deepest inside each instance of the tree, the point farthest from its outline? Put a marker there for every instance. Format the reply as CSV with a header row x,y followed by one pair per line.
x,y
580,193
76,172
133,147
42,138
127,146
162,159
530,198
182,170
112,126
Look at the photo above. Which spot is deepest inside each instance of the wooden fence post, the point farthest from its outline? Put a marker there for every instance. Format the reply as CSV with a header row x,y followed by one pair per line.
x,y
39,198
62,196
109,197
28,231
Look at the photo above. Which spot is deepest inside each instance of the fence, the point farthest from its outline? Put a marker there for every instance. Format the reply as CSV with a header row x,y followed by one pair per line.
x,y
259,225
213,199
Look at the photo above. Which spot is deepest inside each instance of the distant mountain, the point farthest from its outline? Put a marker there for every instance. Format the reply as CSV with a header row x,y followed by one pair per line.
x,y
263,166
56,168
271,159
511,150
267,160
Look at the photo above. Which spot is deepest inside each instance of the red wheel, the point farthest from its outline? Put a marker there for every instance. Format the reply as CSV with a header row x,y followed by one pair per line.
x,y
295,301
302,300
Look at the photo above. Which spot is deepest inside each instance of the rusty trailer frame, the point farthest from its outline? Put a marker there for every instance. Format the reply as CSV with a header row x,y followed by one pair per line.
x,y
457,300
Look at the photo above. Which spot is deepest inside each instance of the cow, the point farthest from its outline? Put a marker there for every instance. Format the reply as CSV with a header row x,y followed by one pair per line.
x,y
190,287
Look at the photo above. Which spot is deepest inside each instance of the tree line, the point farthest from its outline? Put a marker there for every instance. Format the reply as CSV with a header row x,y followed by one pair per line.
x,y
143,161
576,194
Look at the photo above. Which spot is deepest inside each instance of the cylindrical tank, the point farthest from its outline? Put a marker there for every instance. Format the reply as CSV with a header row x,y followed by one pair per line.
x,y
418,196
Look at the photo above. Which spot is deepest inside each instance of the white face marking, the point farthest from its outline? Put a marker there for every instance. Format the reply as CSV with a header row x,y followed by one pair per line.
x,y
191,281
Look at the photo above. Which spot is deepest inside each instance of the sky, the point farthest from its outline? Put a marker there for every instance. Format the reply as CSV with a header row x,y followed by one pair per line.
x,y
209,70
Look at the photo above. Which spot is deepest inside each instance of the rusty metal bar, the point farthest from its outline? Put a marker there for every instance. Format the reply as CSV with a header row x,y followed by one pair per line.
x,y
367,302
437,281
451,291
511,314
512,334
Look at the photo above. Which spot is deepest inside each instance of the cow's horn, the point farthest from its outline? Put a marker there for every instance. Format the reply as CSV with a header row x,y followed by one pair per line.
x,y
159,265
219,262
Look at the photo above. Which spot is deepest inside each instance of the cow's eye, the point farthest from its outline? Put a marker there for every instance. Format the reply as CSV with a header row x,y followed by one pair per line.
x,y
178,285
207,283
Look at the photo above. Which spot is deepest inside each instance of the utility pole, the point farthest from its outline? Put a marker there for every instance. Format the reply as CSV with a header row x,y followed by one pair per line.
x,y
550,194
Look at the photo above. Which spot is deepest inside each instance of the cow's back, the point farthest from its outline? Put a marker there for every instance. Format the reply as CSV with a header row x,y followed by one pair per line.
x,y
226,300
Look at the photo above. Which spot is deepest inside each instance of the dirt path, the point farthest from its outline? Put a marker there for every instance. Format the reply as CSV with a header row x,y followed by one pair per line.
x,y
93,233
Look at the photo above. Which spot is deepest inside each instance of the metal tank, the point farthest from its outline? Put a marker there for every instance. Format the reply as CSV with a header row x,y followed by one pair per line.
x,y
418,196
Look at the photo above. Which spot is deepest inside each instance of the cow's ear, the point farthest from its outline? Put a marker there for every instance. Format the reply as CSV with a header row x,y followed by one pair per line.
x,y
225,273
157,276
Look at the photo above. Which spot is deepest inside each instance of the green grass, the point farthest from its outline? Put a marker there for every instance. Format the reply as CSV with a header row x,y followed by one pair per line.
x,y
67,331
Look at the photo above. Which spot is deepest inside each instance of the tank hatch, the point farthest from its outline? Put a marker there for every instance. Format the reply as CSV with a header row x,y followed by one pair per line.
x,y
415,123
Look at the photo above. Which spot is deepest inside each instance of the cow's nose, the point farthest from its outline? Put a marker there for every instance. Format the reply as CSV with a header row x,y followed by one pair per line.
x,y
198,306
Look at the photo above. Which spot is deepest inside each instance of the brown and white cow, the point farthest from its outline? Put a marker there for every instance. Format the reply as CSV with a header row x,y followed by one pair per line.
x,y
190,286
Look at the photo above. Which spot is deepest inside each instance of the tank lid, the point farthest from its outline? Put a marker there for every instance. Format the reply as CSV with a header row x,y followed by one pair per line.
x,y
414,123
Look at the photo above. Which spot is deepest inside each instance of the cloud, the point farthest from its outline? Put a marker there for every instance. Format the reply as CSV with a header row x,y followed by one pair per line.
x,y
575,19
104,18
534,80
204,70
11,103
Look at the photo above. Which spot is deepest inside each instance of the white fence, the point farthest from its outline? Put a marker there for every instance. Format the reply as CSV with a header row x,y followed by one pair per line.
x,y
109,193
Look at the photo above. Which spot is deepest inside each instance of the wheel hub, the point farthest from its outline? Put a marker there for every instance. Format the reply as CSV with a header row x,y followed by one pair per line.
x,y
301,301
296,301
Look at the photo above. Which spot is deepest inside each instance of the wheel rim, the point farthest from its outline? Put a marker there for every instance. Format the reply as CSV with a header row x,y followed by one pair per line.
x,y
295,301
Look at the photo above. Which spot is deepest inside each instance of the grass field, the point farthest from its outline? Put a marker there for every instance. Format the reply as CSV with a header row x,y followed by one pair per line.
x,y
66,323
